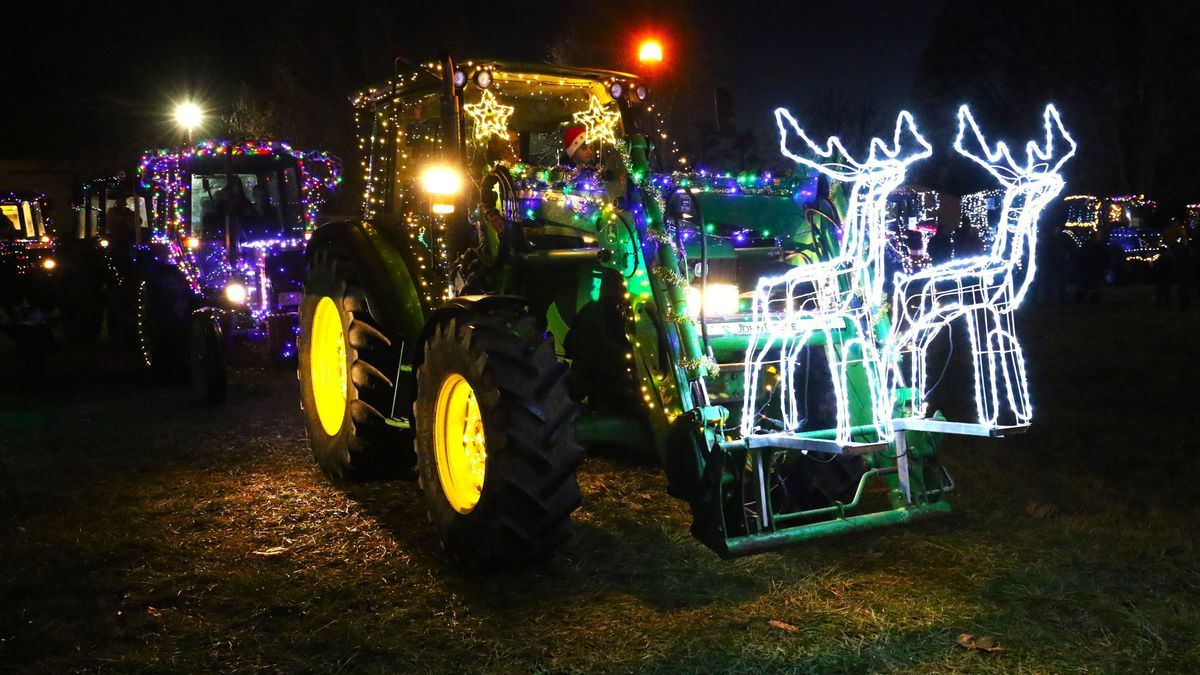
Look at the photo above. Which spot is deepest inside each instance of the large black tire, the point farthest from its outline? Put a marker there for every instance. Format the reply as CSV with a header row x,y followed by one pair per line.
x,y
208,360
164,307
529,487
364,446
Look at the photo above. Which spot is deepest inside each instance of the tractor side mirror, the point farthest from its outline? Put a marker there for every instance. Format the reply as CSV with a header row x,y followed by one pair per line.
x,y
725,111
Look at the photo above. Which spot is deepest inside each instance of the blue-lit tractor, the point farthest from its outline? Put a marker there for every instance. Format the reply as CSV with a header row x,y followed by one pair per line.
x,y
206,247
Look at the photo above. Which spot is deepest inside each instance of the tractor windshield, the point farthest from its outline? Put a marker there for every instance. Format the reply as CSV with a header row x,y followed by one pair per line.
x,y
260,204
26,218
536,119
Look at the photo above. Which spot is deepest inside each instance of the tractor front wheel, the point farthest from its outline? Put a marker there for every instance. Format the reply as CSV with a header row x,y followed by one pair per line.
x,y
163,310
495,439
208,359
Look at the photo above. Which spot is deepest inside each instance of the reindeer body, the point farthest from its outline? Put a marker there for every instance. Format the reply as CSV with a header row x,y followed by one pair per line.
x,y
985,289
836,296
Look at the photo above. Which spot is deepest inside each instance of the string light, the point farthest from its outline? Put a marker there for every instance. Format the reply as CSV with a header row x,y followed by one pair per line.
x,y
986,289
599,123
835,296
489,116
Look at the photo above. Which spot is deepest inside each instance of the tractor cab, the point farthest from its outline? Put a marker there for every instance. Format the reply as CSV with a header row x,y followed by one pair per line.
x,y
233,217
27,245
108,202
231,194
24,212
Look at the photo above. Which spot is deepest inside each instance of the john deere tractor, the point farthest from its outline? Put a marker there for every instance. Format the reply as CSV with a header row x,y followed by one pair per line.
x,y
502,305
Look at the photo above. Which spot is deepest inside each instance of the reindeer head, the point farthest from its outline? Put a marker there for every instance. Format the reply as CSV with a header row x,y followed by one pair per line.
x,y
835,161
1041,163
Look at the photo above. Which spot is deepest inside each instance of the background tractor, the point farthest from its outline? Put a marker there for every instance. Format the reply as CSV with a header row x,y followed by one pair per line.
x,y
203,248
501,306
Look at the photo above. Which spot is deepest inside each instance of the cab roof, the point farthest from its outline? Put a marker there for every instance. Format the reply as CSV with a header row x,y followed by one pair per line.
x,y
424,77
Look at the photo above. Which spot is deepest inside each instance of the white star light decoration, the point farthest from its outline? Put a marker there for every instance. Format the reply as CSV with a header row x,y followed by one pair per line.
x,y
489,116
599,123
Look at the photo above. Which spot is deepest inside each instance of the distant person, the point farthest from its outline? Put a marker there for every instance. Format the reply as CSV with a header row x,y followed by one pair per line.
x,y
1162,273
1054,256
967,243
121,225
1175,234
8,229
1090,269
1185,273
941,245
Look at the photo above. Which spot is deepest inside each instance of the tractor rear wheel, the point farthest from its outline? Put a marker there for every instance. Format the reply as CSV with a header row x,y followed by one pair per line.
x,y
345,368
495,439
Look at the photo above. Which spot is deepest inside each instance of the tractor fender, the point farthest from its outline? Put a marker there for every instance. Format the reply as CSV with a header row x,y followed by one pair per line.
x,y
221,319
456,307
381,268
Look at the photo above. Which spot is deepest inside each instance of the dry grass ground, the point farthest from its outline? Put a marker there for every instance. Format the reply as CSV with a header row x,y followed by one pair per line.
x,y
138,533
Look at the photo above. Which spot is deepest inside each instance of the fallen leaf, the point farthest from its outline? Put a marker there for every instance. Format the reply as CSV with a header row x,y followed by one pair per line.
x,y
274,550
979,643
776,623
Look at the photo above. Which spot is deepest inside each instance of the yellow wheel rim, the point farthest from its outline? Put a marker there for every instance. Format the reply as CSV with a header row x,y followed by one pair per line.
x,y
327,366
461,448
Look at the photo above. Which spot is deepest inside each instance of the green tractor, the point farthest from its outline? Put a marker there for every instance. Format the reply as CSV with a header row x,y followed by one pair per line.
x,y
529,279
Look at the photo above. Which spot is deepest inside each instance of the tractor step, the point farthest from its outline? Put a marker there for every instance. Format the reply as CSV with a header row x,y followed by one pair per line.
x,y
957,428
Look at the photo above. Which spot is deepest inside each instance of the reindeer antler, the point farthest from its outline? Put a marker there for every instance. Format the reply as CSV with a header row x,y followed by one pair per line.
x,y
852,169
999,161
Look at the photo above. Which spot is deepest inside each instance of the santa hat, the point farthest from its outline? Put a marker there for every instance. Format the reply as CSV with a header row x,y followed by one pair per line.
x,y
573,137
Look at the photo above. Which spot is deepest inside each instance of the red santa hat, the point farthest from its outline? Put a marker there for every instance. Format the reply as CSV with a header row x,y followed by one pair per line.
x,y
573,137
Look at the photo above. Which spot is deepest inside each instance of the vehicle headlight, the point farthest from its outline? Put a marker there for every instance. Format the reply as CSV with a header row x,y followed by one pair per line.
x,y
49,263
717,300
441,180
235,292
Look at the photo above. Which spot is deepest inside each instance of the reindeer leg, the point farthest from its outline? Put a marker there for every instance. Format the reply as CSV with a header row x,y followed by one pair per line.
x,y
1012,365
987,398
754,363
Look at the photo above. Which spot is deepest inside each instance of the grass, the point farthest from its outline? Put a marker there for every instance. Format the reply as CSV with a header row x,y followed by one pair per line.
x,y
138,533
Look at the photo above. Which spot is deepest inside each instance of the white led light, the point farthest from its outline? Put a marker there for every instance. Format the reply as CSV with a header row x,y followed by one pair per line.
x,y
985,289
837,296
235,292
717,300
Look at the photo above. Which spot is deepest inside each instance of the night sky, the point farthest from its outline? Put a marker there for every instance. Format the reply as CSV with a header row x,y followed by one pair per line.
x,y
97,83
85,71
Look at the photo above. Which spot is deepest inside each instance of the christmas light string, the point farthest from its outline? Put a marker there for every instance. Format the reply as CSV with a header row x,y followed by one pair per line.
x,y
985,289
837,295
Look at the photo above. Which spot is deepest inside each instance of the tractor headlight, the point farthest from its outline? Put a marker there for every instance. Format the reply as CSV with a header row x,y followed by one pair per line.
x,y
443,183
441,180
717,300
235,292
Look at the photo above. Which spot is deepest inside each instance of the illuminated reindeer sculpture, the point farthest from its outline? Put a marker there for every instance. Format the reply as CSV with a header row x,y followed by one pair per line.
x,y
985,289
836,296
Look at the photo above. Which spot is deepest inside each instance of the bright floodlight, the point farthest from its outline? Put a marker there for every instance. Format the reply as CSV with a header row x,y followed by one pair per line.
x,y
650,51
188,115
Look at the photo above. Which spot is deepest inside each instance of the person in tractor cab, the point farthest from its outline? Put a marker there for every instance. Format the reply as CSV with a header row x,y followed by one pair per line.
x,y
8,229
580,153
